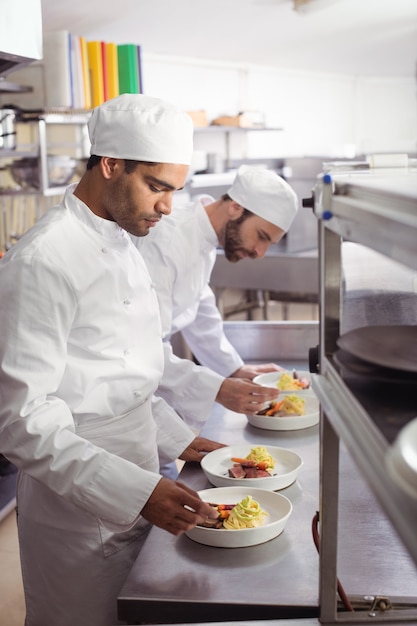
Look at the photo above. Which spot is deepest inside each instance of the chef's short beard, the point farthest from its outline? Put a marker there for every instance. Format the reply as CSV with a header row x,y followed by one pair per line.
x,y
121,207
233,244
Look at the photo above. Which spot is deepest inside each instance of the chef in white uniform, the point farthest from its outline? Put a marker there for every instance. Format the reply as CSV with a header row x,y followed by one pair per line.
x,y
80,359
256,212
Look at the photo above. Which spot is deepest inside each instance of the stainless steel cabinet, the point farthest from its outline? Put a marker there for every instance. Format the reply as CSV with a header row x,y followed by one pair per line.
x,y
376,209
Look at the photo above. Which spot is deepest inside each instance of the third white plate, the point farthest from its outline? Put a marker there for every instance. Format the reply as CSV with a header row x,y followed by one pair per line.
x,y
290,422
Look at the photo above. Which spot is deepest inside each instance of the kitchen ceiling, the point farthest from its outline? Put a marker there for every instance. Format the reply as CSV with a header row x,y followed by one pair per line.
x,y
356,37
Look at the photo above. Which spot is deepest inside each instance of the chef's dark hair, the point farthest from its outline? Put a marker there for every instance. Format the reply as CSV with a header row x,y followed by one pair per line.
x,y
92,161
246,213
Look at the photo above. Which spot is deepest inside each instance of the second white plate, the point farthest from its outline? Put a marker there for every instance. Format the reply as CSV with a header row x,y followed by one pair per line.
x,y
216,466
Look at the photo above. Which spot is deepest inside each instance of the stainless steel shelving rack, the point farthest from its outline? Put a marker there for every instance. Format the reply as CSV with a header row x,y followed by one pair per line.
x,y
78,120
38,136
39,149
229,131
377,209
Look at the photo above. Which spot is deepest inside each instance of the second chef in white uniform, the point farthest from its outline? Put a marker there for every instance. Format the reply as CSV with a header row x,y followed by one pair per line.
x,y
256,212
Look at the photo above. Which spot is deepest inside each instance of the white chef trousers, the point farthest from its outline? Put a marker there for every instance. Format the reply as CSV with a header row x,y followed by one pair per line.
x,y
83,591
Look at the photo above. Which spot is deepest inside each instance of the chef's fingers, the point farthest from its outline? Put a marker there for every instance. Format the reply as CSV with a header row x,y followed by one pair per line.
x,y
264,368
258,402
174,507
244,396
182,520
250,371
264,394
192,500
198,448
201,444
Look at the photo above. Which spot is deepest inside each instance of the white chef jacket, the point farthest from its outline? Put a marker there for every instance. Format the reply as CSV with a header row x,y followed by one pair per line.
x,y
80,359
180,254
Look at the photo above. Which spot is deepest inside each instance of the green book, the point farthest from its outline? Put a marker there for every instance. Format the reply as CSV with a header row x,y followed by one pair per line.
x,y
128,68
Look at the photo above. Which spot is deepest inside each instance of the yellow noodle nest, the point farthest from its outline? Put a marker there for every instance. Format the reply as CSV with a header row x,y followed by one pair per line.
x,y
259,454
246,514
293,405
287,382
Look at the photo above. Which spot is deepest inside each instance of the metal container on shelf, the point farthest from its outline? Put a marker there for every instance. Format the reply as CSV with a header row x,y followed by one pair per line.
x,y
25,171
7,129
215,163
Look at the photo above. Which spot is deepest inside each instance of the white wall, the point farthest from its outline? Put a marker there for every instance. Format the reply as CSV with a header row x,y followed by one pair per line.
x,y
321,114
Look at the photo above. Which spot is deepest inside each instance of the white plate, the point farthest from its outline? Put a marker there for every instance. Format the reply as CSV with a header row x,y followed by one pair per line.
x,y
271,379
277,506
292,422
401,459
216,465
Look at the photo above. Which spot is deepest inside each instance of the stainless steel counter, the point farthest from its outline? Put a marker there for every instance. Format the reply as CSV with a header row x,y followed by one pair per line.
x,y
313,621
175,580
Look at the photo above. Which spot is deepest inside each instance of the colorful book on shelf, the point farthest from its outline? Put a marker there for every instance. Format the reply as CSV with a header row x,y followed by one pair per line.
x,y
104,71
77,81
128,68
85,73
112,70
95,66
57,69
140,69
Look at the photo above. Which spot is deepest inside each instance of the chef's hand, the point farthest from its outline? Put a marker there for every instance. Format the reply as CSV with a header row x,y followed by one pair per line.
x,y
174,507
250,371
244,396
198,449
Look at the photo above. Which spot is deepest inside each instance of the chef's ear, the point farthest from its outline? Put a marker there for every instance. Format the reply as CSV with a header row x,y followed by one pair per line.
x,y
108,166
235,210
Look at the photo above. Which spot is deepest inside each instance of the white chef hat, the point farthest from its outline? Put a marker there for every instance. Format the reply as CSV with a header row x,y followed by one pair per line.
x,y
142,128
266,194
